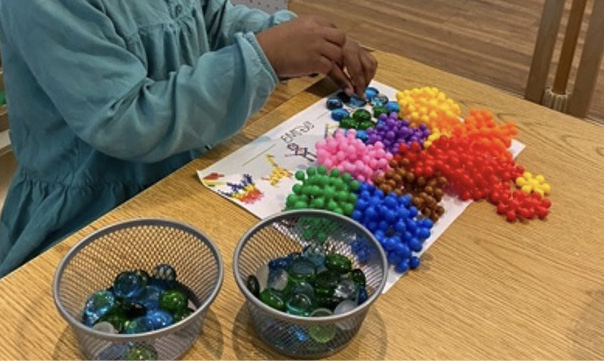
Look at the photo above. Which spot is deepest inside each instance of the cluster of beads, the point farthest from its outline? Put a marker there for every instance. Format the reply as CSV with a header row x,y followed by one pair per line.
x,y
320,190
519,205
430,106
393,132
528,184
395,222
347,153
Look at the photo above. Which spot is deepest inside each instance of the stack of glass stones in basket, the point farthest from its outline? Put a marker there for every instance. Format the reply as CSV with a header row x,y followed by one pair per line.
x,y
311,283
137,302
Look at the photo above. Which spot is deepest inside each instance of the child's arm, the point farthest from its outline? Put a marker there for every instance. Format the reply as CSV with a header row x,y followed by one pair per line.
x,y
223,20
103,92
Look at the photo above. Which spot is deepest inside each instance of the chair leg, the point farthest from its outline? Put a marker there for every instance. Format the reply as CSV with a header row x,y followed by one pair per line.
x,y
544,49
591,58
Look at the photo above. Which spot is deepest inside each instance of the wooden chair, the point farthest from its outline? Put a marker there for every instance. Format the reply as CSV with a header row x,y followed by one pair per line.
x,y
575,102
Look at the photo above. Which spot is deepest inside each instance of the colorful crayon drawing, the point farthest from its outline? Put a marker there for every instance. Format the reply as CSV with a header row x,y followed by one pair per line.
x,y
212,180
278,172
245,191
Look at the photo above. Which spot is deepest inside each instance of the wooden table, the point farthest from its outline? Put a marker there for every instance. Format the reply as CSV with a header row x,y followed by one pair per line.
x,y
487,288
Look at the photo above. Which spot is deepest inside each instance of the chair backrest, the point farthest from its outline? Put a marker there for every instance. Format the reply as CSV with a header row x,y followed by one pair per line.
x,y
591,57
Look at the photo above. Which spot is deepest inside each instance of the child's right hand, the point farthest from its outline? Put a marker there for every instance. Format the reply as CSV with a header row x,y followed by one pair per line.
x,y
306,45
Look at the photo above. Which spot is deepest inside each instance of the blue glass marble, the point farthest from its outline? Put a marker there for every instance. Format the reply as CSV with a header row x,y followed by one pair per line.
x,y
149,297
143,275
98,305
362,295
138,325
278,279
164,272
340,114
362,135
279,263
357,102
345,306
343,97
334,103
380,100
393,107
298,333
315,252
302,269
371,92
127,285
159,319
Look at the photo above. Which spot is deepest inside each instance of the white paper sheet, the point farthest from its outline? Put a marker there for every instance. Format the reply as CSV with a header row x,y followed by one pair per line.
x,y
279,145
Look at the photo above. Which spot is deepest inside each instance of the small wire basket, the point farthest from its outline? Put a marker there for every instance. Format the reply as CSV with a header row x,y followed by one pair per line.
x,y
285,233
94,262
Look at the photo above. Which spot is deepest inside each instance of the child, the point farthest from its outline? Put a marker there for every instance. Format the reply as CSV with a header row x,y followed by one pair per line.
x,y
106,97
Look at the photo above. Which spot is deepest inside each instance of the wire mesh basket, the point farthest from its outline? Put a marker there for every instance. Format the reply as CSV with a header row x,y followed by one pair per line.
x,y
94,262
286,233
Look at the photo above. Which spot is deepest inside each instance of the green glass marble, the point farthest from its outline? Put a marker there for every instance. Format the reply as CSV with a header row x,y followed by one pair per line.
x,y
348,123
338,263
321,333
329,302
141,352
358,277
118,320
173,300
366,124
379,110
273,298
182,314
361,115
299,304
253,285
327,280
303,287
301,269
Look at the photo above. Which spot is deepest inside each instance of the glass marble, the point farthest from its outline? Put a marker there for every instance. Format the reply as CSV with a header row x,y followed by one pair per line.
x,y
252,285
273,298
173,300
348,123
339,114
279,263
159,319
358,276
143,275
98,305
141,352
113,352
164,272
379,110
138,325
338,263
345,98
327,301
149,297
299,304
302,269
380,100
298,333
303,287
321,333
262,276
361,115
278,279
362,295
345,289
315,252
326,280
127,285
105,327
371,92
357,102
334,103
117,320
393,107
132,309
182,314
345,306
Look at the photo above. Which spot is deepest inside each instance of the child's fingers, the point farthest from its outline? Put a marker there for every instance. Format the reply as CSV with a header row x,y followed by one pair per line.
x,y
324,65
341,79
334,35
369,66
332,52
355,70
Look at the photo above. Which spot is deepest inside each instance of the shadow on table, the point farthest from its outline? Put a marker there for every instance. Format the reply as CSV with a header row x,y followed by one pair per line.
x,y
369,344
589,335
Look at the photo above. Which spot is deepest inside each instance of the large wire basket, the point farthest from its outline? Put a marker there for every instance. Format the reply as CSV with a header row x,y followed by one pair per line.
x,y
288,232
138,244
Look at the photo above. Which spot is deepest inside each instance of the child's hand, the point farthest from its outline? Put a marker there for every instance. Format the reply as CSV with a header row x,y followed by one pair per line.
x,y
360,68
303,46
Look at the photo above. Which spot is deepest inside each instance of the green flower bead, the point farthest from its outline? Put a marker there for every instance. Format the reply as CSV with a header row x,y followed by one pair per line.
x,y
300,175
335,172
346,177
354,185
311,171
297,188
322,170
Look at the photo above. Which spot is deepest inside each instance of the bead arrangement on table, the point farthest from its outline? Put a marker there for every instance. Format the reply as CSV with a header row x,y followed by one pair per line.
x,y
138,302
415,151
312,283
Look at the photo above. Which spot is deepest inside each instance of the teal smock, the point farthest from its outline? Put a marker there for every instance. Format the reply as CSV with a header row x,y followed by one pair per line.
x,y
106,97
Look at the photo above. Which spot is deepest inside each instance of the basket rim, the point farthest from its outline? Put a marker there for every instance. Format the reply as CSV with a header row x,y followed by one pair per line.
x,y
73,322
301,319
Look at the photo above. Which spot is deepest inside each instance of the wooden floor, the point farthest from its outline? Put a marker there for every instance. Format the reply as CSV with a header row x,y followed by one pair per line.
x,y
490,41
